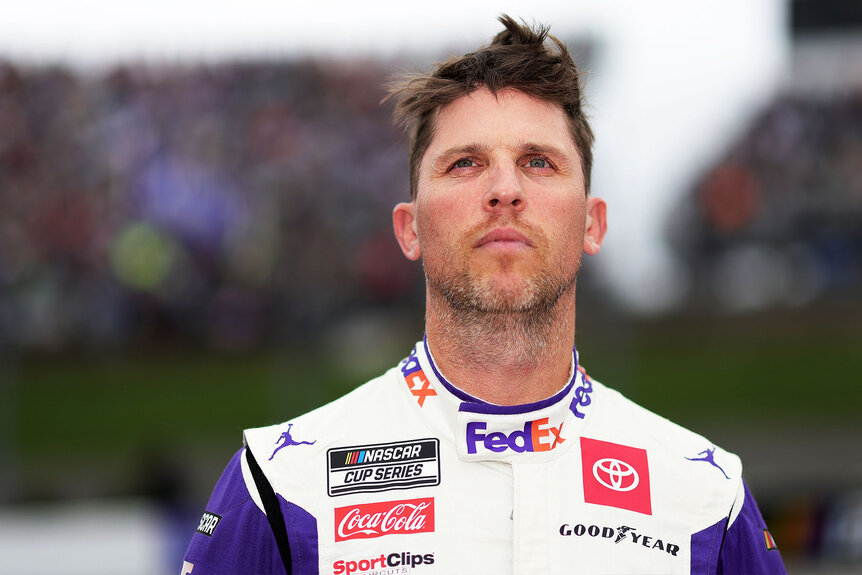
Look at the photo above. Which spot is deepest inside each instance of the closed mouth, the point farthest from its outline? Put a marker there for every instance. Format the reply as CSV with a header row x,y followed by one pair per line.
x,y
504,236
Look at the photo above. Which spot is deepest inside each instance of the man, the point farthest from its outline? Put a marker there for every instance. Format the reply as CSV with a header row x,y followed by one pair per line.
x,y
488,449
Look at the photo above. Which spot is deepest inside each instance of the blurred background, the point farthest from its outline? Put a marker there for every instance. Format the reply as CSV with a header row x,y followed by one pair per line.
x,y
195,238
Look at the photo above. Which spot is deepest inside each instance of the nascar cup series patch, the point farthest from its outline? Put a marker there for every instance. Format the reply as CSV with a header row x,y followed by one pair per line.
x,y
383,466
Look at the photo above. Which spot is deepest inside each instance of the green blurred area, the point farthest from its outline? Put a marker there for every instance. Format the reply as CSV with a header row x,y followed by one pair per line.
x,y
102,414
768,369
118,403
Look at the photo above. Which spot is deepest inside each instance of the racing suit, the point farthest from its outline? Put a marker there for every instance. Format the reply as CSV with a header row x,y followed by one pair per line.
x,y
409,474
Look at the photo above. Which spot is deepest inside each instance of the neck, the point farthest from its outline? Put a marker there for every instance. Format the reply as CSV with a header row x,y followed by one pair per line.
x,y
505,358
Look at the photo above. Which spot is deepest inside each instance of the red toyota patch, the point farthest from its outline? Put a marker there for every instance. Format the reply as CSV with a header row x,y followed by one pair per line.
x,y
615,475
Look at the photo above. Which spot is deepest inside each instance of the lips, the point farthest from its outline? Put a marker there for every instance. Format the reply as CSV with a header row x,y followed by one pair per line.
x,y
503,237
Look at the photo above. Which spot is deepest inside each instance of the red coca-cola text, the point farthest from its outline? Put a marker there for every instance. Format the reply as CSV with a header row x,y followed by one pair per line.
x,y
371,520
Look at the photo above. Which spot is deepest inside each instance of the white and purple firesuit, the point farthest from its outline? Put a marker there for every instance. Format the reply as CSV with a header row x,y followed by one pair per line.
x,y
409,474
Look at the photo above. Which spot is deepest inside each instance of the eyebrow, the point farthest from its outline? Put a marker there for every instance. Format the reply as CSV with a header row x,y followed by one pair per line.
x,y
546,149
442,161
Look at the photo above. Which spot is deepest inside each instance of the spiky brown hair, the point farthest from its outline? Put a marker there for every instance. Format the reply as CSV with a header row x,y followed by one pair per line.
x,y
523,58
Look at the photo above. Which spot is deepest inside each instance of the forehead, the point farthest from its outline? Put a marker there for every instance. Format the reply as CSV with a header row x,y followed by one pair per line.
x,y
507,118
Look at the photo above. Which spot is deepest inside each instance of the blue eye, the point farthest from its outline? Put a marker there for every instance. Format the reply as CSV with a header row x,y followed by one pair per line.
x,y
538,163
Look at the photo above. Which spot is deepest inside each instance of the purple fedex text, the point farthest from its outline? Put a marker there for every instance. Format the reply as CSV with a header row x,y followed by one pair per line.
x,y
520,440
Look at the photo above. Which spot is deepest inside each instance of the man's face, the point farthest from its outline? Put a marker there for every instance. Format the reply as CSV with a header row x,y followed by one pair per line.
x,y
501,215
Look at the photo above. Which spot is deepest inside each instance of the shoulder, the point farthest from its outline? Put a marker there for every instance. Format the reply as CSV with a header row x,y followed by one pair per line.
x,y
334,422
628,419
233,533
692,480
747,544
290,453
698,476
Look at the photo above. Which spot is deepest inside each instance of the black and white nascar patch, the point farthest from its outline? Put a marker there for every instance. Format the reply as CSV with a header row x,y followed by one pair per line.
x,y
383,466
209,521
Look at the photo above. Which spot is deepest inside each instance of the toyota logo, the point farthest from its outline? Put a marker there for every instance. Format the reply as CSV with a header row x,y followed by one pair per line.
x,y
615,474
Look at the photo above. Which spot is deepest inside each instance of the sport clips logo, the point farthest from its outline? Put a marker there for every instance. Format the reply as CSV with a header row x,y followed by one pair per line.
x,y
536,435
384,564
386,518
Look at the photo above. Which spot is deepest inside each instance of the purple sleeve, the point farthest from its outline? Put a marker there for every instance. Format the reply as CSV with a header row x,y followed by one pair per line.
x,y
234,536
748,546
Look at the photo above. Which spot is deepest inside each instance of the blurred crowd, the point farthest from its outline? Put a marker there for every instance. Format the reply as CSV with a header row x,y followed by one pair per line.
x,y
222,205
778,221
242,203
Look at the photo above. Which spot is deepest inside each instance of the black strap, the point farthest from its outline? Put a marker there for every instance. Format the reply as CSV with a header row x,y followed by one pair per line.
x,y
272,509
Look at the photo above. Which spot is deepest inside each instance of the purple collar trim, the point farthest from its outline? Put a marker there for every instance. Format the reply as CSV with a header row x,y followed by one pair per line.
x,y
475,405
452,389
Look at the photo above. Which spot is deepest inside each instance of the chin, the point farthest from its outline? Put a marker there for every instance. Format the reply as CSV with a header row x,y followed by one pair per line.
x,y
490,289
509,295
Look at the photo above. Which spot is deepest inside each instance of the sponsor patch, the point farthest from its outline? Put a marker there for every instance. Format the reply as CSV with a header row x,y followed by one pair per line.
x,y
616,475
209,521
582,397
370,520
619,534
286,440
537,435
383,564
416,380
383,466
770,542
708,455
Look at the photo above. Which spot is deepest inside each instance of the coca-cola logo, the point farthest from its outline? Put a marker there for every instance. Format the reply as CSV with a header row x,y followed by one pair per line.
x,y
371,520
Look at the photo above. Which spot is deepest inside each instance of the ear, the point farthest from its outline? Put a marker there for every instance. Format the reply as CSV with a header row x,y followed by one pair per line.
x,y
404,222
596,225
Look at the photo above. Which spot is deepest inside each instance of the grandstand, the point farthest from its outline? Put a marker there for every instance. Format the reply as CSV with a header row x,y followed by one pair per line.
x,y
777,220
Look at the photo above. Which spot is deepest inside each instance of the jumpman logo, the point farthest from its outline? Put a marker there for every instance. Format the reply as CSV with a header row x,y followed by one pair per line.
x,y
287,440
708,456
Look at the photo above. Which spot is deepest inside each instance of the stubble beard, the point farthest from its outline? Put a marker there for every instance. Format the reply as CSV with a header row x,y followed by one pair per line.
x,y
519,322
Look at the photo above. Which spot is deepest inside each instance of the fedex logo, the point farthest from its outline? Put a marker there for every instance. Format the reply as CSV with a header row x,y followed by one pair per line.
x,y
582,395
536,435
416,380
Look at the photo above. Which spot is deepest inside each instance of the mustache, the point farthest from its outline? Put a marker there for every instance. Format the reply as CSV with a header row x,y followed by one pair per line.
x,y
534,234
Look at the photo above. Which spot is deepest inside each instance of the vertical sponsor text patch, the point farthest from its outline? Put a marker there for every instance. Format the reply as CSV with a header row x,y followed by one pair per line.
x,y
209,521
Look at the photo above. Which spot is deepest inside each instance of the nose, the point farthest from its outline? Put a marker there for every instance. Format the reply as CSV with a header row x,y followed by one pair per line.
x,y
505,191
